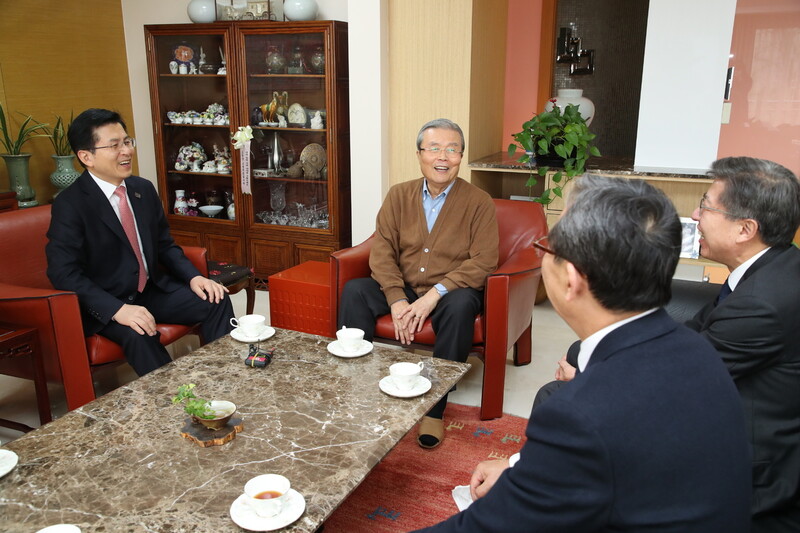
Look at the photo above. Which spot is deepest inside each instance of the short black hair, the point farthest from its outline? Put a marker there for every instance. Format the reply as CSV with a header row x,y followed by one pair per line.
x,y
763,190
82,133
624,235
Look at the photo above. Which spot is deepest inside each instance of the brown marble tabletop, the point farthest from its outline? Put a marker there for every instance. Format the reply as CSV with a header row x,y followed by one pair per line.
x,y
120,464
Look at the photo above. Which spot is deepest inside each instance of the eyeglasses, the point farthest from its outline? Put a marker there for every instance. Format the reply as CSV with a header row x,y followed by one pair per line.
x,y
451,153
703,206
542,246
130,142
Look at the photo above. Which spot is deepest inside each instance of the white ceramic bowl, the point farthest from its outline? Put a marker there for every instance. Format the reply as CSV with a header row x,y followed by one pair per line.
x,y
210,210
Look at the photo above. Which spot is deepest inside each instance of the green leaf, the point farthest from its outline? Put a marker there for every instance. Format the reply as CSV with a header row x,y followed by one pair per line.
x,y
543,145
560,150
594,151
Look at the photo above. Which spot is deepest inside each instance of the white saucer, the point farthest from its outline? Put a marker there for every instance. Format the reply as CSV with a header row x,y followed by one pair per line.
x,y
8,460
265,334
244,516
61,528
336,349
387,385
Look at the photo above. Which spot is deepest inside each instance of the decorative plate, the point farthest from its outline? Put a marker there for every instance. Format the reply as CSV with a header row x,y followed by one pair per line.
x,y
314,159
184,53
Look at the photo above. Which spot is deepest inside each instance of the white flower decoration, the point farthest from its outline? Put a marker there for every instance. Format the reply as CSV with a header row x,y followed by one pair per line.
x,y
244,134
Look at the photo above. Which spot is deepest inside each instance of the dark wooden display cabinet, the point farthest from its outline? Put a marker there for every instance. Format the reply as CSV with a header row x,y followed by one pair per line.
x,y
289,82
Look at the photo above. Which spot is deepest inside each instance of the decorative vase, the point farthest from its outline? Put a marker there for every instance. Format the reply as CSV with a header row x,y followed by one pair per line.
x,y
575,97
277,195
300,9
202,10
318,61
276,62
181,205
19,179
232,211
65,173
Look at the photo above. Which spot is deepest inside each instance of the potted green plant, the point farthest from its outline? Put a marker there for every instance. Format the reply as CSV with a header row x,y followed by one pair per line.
x,y
65,173
17,162
211,414
555,139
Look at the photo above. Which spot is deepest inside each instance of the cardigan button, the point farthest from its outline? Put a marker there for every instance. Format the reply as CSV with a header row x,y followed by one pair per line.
x,y
427,250
422,269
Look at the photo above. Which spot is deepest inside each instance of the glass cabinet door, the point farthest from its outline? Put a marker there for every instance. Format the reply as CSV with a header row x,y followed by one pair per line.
x,y
194,112
286,101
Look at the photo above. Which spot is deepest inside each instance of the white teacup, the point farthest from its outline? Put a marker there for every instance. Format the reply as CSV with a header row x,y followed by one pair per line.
x,y
266,494
405,375
250,325
350,339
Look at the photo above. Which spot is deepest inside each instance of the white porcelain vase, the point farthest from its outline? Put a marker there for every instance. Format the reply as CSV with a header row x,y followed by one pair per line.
x,y
575,97
202,10
300,9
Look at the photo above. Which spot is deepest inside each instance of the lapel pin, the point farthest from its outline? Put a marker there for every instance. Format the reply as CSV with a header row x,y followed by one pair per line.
x,y
137,195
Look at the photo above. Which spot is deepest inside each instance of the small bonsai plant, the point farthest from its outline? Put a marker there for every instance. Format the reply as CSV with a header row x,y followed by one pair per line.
x,y
555,134
194,406
58,136
13,142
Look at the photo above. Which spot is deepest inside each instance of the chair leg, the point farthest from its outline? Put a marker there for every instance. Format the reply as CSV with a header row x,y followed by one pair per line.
x,y
522,348
250,291
494,377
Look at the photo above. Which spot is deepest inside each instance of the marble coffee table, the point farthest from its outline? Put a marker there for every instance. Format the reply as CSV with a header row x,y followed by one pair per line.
x,y
120,464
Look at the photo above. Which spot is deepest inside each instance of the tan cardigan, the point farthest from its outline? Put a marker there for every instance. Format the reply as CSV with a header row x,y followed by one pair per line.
x,y
460,251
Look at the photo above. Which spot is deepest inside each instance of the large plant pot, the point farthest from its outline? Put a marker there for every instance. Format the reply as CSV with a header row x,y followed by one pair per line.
x,y
19,179
65,173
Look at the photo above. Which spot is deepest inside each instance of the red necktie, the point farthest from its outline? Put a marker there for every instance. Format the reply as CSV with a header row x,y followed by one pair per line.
x,y
129,226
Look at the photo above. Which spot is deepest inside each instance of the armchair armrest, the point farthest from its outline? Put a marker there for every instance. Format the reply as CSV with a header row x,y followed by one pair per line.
x,y
57,317
198,256
347,264
510,296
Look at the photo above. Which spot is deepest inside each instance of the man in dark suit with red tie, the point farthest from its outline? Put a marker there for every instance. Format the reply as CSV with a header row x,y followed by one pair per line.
x,y
747,220
109,242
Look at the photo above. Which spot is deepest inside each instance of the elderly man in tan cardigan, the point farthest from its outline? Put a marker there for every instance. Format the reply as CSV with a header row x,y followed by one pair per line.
x,y
436,241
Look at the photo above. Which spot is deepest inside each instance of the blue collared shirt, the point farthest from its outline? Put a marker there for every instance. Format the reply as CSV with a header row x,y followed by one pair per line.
x,y
432,207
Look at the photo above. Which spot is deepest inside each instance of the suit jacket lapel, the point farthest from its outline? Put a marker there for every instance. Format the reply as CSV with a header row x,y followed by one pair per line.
x,y
765,259
95,199
642,330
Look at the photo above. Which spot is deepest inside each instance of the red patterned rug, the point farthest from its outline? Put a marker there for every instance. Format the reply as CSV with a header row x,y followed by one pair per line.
x,y
411,487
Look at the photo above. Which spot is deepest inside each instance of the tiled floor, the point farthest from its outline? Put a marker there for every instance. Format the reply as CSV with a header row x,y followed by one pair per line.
x,y
551,337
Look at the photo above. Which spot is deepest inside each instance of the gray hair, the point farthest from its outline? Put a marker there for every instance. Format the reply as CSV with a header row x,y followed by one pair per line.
x,y
763,190
440,123
624,235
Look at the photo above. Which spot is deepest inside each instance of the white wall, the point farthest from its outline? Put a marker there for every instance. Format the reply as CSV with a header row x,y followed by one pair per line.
x,y
685,63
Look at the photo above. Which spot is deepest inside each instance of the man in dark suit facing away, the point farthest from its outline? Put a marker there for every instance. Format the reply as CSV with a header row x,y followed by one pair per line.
x,y
109,242
649,436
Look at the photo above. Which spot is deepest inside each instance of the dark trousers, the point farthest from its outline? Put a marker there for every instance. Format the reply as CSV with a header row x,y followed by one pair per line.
x,y
182,306
453,319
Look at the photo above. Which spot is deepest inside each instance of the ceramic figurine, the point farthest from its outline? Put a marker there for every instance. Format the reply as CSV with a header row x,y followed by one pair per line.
x,y
173,67
209,166
183,69
192,68
316,121
281,121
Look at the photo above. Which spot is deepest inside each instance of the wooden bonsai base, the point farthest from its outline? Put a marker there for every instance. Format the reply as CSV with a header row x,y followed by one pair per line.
x,y
202,436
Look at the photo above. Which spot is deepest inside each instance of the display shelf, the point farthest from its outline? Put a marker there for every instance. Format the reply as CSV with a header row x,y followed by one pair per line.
x,y
283,220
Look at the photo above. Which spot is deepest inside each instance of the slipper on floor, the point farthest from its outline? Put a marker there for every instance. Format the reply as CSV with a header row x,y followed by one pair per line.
x,y
431,432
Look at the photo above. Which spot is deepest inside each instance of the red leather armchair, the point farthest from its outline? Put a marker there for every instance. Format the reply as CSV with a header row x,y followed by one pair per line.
x,y
508,298
27,298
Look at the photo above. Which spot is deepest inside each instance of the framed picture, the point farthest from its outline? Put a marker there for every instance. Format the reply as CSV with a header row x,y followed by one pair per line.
x,y
690,243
